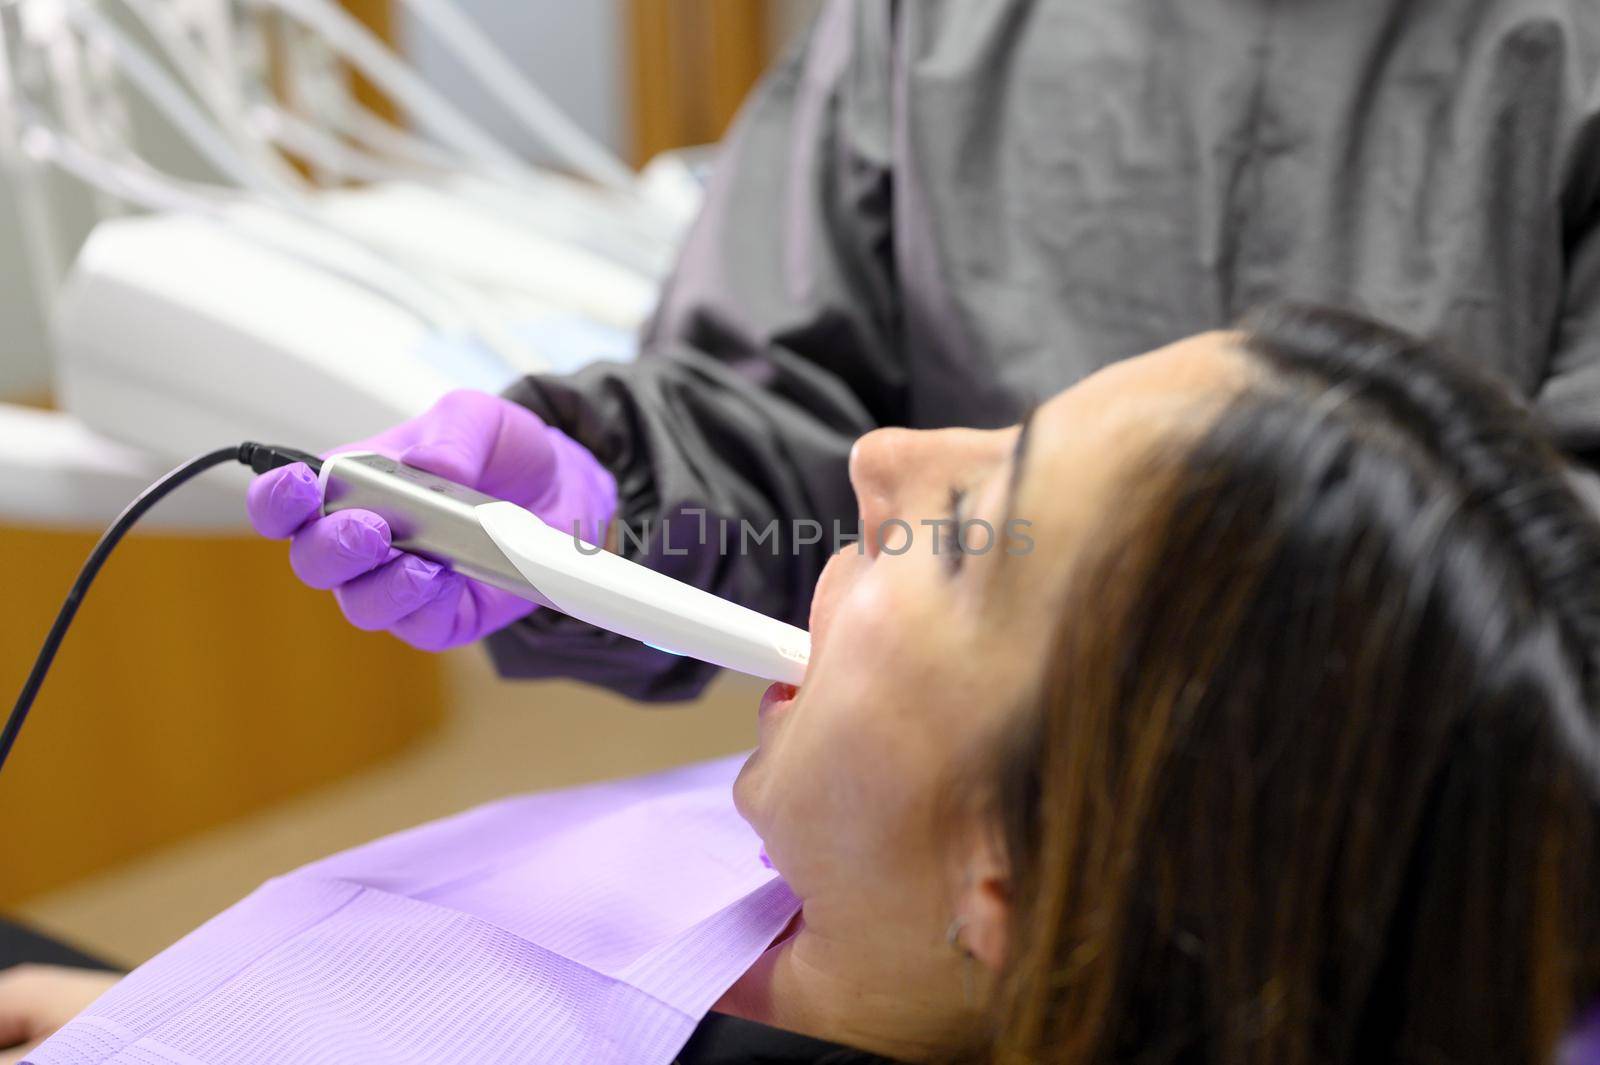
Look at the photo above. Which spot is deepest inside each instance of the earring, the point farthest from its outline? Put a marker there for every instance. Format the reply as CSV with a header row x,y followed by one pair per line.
x,y
952,937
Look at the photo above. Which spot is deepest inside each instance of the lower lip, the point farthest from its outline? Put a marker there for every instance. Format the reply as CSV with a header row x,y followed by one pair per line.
x,y
777,697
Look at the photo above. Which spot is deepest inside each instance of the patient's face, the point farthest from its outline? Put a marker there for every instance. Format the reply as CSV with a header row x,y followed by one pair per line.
x,y
920,656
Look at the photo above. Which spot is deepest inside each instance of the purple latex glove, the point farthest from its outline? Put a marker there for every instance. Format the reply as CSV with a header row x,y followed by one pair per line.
x,y
474,439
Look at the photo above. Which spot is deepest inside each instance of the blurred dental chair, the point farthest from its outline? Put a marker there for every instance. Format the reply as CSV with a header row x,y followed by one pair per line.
x,y
332,272
313,311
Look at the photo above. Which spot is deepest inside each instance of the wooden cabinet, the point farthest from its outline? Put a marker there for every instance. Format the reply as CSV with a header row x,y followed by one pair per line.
x,y
691,63
200,682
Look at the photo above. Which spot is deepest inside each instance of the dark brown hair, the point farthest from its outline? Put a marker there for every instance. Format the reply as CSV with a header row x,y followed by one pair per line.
x,y
1312,779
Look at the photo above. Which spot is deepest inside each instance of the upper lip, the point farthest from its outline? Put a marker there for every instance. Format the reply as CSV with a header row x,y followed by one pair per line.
x,y
818,617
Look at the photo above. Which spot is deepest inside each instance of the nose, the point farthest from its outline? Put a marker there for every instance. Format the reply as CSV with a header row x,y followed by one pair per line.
x,y
907,475
878,462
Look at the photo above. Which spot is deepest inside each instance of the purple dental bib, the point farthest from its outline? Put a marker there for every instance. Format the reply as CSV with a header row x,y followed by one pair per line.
x,y
598,924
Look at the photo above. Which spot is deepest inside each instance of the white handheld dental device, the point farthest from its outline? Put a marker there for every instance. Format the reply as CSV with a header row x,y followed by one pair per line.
x,y
501,544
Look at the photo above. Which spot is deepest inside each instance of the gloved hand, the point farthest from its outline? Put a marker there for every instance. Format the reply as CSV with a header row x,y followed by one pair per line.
x,y
474,439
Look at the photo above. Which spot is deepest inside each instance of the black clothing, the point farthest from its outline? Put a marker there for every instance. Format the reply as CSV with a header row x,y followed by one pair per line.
x,y
724,1040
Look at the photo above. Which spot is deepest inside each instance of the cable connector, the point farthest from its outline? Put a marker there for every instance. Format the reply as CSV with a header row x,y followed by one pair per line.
x,y
264,457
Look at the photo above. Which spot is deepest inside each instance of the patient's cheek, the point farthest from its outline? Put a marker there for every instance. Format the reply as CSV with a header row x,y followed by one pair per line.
x,y
843,573
872,622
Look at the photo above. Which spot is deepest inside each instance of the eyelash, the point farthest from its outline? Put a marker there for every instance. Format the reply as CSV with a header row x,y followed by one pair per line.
x,y
950,531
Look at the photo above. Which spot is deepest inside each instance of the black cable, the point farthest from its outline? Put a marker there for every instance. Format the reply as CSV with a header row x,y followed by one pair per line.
x,y
258,457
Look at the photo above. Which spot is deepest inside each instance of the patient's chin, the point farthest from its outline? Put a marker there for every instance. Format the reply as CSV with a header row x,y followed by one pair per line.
x,y
747,787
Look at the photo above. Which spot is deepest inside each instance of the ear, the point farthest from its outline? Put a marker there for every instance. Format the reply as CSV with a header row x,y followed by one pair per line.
x,y
985,903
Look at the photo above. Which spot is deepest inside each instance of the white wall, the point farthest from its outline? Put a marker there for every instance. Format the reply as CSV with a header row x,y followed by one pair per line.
x,y
571,49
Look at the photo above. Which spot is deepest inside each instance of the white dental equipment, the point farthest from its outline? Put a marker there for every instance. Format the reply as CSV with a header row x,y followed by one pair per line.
x,y
501,544
150,356
278,309
490,540
56,474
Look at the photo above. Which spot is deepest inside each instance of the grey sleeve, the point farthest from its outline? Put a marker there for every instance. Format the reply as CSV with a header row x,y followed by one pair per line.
x,y
773,348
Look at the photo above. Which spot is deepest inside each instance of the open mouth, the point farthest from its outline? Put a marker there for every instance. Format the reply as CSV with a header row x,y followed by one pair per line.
x,y
776,697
